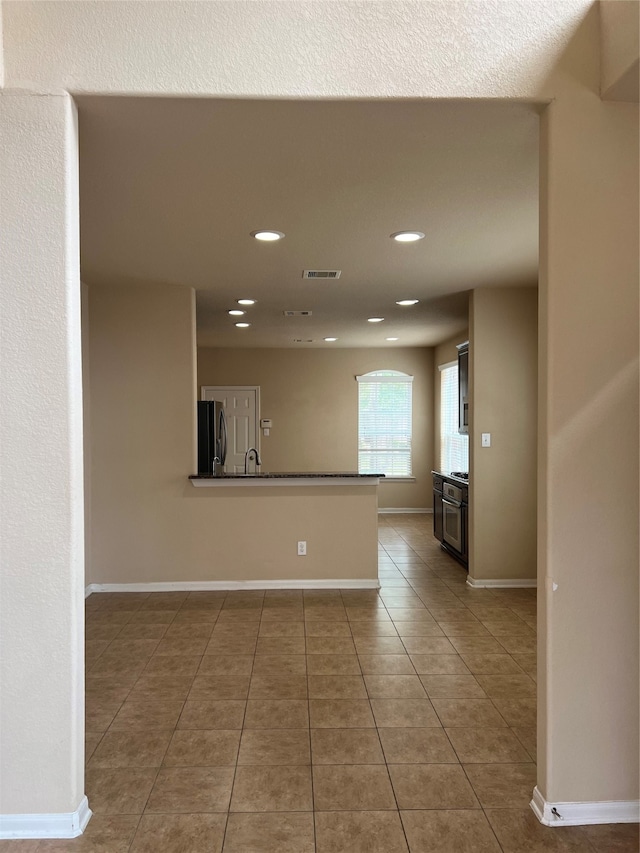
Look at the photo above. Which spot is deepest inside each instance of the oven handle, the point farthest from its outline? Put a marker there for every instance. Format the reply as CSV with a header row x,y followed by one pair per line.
x,y
456,504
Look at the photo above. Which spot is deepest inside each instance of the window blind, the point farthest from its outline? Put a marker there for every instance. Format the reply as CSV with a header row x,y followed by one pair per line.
x,y
384,423
454,447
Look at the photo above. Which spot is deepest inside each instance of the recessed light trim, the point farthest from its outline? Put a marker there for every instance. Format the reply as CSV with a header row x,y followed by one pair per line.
x,y
375,319
246,301
242,325
407,236
266,235
236,312
330,340
391,339
407,301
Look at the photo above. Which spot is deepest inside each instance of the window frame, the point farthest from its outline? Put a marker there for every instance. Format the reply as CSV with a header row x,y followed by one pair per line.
x,y
464,466
388,376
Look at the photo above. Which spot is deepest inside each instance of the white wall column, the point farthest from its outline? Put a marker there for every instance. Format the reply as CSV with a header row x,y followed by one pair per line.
x,y
42,578
588,460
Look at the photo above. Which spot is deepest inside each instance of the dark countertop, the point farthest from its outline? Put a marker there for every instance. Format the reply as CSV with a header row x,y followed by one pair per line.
x,y
451,477
280,475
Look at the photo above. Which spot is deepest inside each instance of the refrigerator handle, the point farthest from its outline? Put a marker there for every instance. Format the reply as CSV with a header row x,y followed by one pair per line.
x,y
223,434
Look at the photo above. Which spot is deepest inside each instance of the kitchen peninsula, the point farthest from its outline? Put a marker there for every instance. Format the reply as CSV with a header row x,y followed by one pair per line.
x,y
261,518
277,478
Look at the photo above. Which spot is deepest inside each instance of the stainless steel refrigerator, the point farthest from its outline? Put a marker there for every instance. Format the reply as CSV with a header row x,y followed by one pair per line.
x,y
212,437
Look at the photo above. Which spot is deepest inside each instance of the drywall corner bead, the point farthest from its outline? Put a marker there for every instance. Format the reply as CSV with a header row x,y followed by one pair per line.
x,y
34,93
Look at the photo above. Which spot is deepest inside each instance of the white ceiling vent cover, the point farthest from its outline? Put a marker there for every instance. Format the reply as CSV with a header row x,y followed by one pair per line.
x,y
321,273
297,313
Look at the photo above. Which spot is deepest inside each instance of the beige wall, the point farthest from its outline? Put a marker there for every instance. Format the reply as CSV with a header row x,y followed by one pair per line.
x,y
86,420
445,353
141,343
503,353
588,535
149,524
312,398
620,47
251,534
1,50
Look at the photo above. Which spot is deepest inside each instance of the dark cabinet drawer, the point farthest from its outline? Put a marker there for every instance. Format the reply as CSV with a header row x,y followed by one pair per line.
x,y
437,515
463,388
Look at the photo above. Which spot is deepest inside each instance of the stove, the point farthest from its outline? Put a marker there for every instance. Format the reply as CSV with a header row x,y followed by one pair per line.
x,y
461,475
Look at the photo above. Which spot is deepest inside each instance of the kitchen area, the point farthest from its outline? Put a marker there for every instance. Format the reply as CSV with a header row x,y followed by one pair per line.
x,y
323,311
487,521
485,510
451,513
451,489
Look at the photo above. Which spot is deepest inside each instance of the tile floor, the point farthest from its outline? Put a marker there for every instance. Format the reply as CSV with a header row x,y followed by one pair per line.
x,y
320,721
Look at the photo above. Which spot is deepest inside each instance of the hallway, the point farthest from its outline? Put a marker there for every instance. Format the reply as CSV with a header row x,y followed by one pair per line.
x,y
293,721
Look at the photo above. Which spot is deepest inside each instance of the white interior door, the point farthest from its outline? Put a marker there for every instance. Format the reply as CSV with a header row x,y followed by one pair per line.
x,y
241,408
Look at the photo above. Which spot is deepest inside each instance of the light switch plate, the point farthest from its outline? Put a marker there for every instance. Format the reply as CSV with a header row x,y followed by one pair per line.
x,y
486,439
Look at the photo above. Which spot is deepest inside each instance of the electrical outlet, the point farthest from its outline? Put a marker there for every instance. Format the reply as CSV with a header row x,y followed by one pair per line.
x,y
302,549
486,439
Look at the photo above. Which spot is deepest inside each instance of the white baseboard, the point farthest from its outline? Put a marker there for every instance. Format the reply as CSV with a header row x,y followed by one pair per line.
x,y
582,814
404,510
203,586
502,583
68,825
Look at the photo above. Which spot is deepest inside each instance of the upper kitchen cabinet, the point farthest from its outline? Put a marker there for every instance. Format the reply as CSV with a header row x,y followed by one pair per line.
x,y
463,388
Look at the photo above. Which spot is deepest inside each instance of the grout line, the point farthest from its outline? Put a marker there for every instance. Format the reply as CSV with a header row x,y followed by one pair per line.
x,y
242,729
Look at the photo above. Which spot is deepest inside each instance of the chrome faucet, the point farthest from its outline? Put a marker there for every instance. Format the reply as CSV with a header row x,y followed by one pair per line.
x,y
256,456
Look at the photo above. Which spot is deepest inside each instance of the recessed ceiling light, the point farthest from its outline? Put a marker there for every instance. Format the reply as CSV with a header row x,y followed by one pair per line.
x,y
407,301
407,236
267,236
391,339
236,312
243,325
330,340
246,301
375,319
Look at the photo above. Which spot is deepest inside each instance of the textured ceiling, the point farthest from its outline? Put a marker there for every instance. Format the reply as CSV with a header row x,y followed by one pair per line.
x,y
171,189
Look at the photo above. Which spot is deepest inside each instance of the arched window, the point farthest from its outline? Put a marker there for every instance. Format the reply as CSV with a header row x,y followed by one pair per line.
x,y
384,423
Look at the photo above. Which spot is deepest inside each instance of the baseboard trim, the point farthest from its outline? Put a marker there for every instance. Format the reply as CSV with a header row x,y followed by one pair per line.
x,y
204,586
66,825
582,814
502,583
404,510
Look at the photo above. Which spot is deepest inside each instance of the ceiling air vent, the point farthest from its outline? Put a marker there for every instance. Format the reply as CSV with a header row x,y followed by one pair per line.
x,y
303,341
321,273
297,313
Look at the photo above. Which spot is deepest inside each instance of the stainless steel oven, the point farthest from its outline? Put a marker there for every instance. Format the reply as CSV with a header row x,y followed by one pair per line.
x,y
452,517
450,513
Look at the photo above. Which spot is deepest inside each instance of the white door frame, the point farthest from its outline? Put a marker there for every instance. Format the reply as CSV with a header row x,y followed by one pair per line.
x,y
256,388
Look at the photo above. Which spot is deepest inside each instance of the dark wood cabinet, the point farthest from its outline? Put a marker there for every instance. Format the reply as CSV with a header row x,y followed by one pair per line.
x,y
450,515
463,388
437,507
